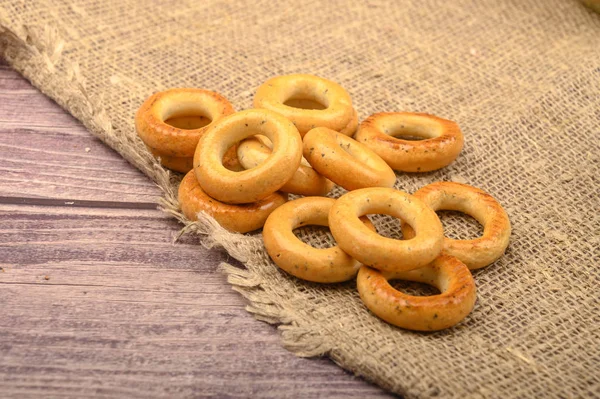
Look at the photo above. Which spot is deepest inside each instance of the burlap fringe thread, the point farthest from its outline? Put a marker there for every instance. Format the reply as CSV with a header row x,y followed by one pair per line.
x,y
43,52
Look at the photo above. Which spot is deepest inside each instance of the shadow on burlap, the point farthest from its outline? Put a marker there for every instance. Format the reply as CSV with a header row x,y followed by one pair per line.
x,y
522,79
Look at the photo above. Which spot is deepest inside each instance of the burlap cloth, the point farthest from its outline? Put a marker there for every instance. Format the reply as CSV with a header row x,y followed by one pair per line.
x,y
521,77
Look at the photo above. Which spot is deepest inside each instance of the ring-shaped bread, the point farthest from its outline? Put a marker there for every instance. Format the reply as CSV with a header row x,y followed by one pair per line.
x,y
345,161
441,141
326,265
421,313
338,113
253,184
450,196
176,103
381,252
238,218
306,181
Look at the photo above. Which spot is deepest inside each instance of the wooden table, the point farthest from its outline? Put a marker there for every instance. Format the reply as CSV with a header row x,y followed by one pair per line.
x,y
95,300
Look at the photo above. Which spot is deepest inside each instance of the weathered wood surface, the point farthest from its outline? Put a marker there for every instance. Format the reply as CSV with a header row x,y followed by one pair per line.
x,y
45,152
95,300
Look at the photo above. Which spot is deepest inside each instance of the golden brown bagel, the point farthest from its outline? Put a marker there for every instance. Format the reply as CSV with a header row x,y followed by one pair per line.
x,y
345,161
329,265
302,89
381,252
450,196
173,104
257,183
306,181
421,313
237,218
441,144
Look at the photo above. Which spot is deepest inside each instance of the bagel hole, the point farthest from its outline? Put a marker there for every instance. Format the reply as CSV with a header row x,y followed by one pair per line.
x,y
316,236
304,102
414,288
408,137
410,133
188,122
387,226
460,226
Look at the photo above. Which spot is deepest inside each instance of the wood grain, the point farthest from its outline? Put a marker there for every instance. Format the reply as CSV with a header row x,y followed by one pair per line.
x,y
96,300
44,152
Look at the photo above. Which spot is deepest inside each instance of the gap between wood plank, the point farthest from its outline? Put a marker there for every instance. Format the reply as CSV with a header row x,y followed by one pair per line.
x,y
76,203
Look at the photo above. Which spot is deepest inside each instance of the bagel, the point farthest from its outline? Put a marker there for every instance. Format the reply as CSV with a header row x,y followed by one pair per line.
x,y
308,101
441,144
380,252
257,183
345,161
421,313
328,265
478,252
172,141
306,181
237,218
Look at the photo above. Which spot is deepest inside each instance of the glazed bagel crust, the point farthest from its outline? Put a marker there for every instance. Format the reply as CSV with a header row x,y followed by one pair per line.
x,y
337,115
306,181
345,161
421,313
441,144
479,252
329,265
237,218
381,252
159,107
256,183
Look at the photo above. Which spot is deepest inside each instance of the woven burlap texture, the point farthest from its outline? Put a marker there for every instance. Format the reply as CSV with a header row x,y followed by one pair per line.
x,y
522,79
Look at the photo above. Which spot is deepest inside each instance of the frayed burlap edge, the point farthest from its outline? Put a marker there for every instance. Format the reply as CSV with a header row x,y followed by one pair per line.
x,y
37,55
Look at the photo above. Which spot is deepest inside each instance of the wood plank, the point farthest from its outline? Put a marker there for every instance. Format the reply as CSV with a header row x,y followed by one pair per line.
x,y
38,235
18,99
46,153
99,302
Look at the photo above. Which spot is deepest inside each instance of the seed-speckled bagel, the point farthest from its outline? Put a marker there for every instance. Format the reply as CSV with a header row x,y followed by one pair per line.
x,y
327,265
441,144
337,115
253,184
381,252
479,252
422,313
174,141
345,161
306,181
238,218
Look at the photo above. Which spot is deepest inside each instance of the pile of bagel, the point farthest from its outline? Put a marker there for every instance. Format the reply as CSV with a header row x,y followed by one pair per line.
x,y
302,138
